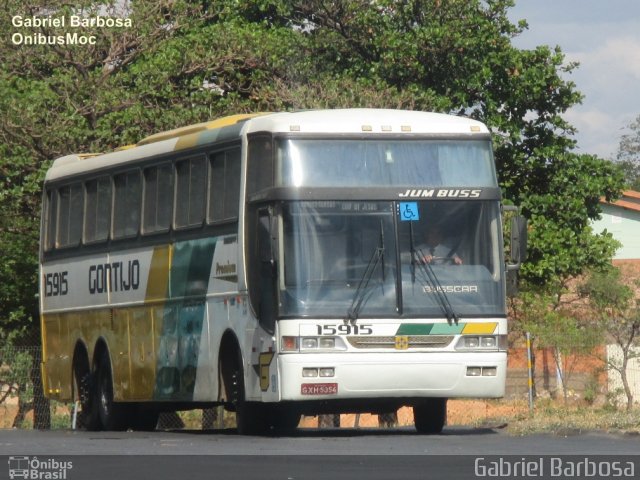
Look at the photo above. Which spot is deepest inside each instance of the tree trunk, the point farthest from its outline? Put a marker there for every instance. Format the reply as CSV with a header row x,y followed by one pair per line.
x,y
625,380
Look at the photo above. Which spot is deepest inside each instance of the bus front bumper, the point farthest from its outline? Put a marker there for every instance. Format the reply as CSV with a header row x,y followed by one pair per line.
x,y
392,375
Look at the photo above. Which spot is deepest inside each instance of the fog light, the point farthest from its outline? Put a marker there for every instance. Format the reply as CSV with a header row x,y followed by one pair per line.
x,y
489,342
489,371
471,342
309,372
327,342
310,342
327,372
474,371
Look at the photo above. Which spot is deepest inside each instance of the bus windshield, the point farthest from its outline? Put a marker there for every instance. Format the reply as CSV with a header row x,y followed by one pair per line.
x,y
331,246
383,163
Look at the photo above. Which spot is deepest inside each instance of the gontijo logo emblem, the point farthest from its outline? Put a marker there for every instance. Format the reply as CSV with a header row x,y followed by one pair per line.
x,y
38,469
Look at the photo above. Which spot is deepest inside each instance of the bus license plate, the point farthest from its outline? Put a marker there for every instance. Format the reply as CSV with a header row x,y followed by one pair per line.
x,y
319,389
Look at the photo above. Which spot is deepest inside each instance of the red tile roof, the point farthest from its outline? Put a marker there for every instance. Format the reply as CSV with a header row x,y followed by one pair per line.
x,y
630,200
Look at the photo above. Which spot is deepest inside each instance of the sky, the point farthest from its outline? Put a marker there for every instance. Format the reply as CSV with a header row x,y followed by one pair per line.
x,y
604,37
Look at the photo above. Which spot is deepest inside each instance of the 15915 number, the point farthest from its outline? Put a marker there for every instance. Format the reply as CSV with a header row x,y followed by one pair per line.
x,y
344,329
56,284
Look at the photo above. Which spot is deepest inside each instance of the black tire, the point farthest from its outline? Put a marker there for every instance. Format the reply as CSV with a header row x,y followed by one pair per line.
x,y
430,416
283,419
250,416
143,419
88,417
114,416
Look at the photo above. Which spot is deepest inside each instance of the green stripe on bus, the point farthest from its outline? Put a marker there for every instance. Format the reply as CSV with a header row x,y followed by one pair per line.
x,y
430,329
414,329
183,319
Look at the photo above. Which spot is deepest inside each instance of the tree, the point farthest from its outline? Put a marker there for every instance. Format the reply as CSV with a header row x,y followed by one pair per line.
x,y
554,323
616,307
629,155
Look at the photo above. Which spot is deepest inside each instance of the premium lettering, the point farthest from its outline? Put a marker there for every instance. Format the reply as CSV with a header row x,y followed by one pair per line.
x,y
225,269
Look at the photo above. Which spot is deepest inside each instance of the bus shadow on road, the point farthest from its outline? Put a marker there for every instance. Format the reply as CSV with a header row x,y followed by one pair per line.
x,y
337,432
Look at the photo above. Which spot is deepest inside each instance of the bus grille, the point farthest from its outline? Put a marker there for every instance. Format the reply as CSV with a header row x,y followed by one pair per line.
x,y
415,341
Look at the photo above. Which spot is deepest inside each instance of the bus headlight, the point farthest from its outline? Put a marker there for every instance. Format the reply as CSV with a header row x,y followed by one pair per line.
x,y
311,344
482,342
327,342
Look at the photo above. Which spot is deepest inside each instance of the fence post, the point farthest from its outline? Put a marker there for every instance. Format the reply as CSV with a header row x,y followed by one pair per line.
x,y
529,372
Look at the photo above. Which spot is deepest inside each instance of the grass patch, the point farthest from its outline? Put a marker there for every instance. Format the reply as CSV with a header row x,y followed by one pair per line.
x,y
557,418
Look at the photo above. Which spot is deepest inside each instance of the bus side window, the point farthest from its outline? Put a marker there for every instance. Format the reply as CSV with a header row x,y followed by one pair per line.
x,y
260,164
126,209
50,219
158,199
70,214
97,213
191,181
224,190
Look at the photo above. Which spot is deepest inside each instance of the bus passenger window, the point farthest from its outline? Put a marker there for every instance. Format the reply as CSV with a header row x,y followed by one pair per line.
x,y
126,209
260,164
50,219
191,192
70,206
224,194
158,199
97,214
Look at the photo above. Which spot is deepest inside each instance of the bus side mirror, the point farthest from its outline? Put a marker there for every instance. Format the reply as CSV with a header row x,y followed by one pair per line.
x,y
518,241
517,248
518,238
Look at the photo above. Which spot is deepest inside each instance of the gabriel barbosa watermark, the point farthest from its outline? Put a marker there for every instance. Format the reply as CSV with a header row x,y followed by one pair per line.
x,y
554,467
29,29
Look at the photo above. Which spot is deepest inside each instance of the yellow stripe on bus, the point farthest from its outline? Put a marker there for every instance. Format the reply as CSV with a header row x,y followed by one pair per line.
x,y
479,328
158,281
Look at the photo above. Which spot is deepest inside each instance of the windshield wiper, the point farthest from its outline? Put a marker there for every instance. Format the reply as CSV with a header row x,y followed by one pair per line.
x,y
432,280
360,295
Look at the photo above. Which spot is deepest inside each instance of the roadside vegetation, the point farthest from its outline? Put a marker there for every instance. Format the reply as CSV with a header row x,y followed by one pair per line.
x,y
555,417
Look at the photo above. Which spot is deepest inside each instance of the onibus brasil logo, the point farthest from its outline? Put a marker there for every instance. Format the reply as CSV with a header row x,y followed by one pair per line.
x,y
38,469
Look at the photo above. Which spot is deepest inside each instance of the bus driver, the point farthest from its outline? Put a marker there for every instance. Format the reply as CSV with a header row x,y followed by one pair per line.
x,y
436,249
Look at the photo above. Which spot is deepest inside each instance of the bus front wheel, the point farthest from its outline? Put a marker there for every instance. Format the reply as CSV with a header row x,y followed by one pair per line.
x,y
430,416
250,416
284,419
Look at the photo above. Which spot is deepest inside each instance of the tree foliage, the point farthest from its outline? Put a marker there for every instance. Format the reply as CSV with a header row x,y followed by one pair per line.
x,y
185,61
629,155
616,306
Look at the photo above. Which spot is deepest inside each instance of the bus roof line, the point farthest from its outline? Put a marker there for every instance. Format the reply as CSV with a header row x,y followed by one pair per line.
x,y
199,127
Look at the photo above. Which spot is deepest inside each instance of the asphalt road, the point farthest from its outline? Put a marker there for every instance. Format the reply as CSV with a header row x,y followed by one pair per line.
x,y
458,453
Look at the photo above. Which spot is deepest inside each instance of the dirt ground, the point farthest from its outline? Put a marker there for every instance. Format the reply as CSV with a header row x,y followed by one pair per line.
x,y
459,412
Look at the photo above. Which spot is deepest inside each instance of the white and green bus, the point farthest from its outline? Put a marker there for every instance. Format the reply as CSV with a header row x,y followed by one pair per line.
x,y
274,264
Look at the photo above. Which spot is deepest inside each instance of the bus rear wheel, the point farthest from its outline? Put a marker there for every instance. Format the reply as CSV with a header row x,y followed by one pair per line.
x,y
114,416
84,384
430,415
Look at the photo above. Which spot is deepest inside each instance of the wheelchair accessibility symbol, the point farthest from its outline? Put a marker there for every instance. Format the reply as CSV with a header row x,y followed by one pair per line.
x,y
409,212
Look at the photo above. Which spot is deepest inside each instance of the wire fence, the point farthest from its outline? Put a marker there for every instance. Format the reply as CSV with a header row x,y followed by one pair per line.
x,y
584,378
